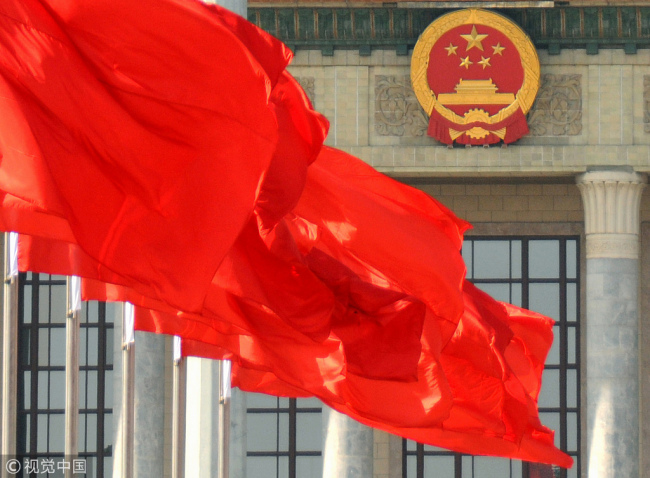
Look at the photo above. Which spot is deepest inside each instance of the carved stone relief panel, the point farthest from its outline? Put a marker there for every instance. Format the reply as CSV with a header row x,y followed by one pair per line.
x,y
308,84
397,111
557,110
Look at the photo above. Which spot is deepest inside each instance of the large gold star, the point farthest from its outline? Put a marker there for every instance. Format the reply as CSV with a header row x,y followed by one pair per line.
x,y
498,49
474,39
484,61
465,62
451,49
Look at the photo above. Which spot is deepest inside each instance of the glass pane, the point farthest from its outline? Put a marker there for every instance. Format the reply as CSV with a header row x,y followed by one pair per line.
x,y
515,258
261,467
515,297
411,445
571,302
57,346
552,421
571,259
91,431
83,341
57,433
283,466
262,432
27,389
108,430
57,390
517,468
43,304
411,466
309,466
93,311
27,304
498,291
108,389
24,347
467,257
42,390
467,466
492,259
112,311
439,466
309,403
488,467
43,347
309,431
283,432
41,435
82,389
81,430
109,346
91,387
58,312
549,396
259,400
93,345
544,259
572,388
108,466
571,344
28,429
573,471
553,357
572,431
545,299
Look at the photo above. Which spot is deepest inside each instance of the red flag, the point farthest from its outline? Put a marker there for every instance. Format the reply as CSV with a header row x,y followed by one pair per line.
x,y
136,122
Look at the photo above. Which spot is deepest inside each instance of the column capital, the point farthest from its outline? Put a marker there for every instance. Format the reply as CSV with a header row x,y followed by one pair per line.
x,y
611,200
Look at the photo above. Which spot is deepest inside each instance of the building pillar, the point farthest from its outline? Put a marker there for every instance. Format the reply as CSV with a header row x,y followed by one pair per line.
x,y
349,447
204,408
611,201
148,439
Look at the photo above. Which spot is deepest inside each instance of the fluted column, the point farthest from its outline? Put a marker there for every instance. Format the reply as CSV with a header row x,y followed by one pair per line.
x,y
611,201
349,447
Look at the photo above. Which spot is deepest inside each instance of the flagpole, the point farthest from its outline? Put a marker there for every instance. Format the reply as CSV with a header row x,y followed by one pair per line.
x,y
10,351
178,411
224,419
128,389
72,370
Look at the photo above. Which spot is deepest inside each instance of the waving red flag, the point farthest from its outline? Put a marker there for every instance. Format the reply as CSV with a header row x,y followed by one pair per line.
x,y
136,122
185,180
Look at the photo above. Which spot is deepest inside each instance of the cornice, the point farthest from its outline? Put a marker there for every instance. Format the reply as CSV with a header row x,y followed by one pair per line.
x,y
327,25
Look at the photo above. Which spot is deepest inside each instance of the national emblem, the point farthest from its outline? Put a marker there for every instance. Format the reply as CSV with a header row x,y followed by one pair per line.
x,y
481,93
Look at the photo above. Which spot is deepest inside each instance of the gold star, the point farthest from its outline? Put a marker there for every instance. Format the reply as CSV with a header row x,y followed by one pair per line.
x,y
484,61
498,49
474,39
451,49
466,62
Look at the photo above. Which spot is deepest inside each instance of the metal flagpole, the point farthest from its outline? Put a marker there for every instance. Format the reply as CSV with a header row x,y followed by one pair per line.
x,y
224,418
72,370
178,412
10,352
128,389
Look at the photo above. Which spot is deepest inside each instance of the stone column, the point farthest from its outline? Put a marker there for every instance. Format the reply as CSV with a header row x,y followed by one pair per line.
x,y
611,201
202,422
349,447
149,424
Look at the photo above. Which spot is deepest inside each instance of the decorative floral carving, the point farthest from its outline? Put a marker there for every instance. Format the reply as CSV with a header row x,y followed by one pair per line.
x,y
646,103
308,84
397,111
557,111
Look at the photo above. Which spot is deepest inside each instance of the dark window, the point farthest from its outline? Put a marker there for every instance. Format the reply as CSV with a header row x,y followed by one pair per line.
x,y
41,374
284,437
541,274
